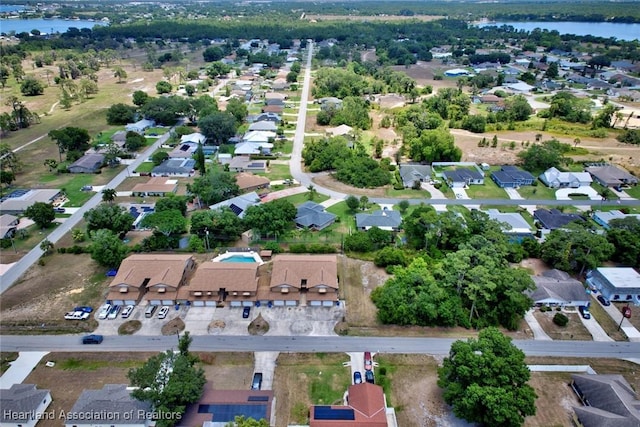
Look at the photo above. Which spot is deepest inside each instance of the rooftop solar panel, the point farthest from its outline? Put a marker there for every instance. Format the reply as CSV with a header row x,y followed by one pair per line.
x,y
235,209
329,413
227,413
258,399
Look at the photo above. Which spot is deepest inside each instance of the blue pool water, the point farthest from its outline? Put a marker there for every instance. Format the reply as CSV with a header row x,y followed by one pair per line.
x,y
238,258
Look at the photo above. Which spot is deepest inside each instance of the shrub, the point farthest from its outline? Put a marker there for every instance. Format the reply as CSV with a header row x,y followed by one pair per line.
x,y
560,319
298,248
273,247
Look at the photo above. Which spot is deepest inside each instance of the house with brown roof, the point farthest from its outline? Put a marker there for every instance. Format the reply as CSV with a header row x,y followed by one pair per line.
x,y
249,182
156,186
276,109
365,406
154,277
234,283
305,280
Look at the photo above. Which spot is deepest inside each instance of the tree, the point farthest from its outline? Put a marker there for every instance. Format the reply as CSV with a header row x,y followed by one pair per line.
x,y
109,195
436,145
219,225
134,141
166,222
31,87
107,249
238,109
120,74
212,54
7,177
9,159
200,160
70,140
46,247
158,157
575,248
163,86
352,203
540,157
169,382
172,202
270,219
109,217
241,421
485,381
120,114
623,234
218,127
214,187
364,202
140,98
403,206
41,213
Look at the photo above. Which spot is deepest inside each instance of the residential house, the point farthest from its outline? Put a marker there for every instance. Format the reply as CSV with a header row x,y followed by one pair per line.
x,y
312,215
383,219
609,400
247,149
250,182
487,99
366,407
8,225
616,283
304,280
512,223
119,138
138,211
412,172
231,283
239,204
140,126
18,201
259,137
330,103
193,138
276,109
280,84
611,176
183,151
154,277
520,87
175,167
220,407
342,130
271,117
273,95
554,219
603,218
245,164
274,101
23,405
463,177
156,186
112,405
512,177
263,125
553,178
89,163
557,288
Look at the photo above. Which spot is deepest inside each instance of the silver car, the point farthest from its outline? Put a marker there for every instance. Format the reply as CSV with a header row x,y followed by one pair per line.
x,y
126,312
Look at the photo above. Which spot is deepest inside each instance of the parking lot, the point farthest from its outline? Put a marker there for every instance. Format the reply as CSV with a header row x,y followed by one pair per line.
x,y
313,321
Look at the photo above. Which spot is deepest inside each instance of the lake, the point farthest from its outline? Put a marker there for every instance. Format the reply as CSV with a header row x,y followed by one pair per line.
x,y
45,26
598,29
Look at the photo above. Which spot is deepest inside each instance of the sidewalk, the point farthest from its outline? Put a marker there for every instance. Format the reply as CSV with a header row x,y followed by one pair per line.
x,y
21,368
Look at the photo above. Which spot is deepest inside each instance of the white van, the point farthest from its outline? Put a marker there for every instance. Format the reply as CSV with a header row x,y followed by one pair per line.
x,y
150,310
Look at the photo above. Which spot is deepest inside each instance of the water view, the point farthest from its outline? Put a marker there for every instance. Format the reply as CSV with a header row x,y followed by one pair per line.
x,y
45,26
598,29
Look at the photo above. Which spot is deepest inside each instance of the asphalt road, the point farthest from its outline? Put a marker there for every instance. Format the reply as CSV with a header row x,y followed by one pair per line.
x,y
309,344
21,266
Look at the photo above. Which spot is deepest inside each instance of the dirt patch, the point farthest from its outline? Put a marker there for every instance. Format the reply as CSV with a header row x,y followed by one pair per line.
x,y
573,331
422,72
555,400
173,326
358,279
216,327
130,327
258,326
535,265
228,371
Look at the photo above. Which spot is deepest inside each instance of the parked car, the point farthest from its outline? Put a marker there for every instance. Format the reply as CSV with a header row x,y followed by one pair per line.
x,y
245,312
104,311
163,312
584,311
603,300
368,363
92,339
150,310
357,377
256,384
368,377
126,312
86,188
58,210
76,315
84,308
113,313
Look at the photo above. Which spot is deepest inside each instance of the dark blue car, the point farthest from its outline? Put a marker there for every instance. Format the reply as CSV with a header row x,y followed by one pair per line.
x,y
92,339
357,377
84,308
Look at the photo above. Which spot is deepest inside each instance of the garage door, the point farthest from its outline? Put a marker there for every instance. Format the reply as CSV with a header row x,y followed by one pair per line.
x,y
236,304
327,303
130,302
247,303
198,303
154,302
291,303
210,303
315,303
278,303
117,302
167,302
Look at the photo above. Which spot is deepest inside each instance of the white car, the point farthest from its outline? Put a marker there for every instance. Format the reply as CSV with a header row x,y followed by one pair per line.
x,y
113,313
104,311
76,315
126,312
163,312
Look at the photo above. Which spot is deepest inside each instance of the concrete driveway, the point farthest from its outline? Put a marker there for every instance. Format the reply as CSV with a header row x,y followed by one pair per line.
x,y
265,362
514,195
563,193
435,194
594,328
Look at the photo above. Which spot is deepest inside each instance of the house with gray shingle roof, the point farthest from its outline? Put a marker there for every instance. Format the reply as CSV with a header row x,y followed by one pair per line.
x,y
557,288
609,400
113,405
611,176
410,173
8,225
89,163
239,204
23,405
312,215
383,219
175,167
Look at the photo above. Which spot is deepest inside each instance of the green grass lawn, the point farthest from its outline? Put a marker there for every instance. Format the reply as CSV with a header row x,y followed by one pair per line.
x,y
145,167
487,191
539,191
277,172
298,199
633,191
407,193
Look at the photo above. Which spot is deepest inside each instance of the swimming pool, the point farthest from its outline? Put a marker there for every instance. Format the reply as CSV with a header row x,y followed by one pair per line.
x,y
239,257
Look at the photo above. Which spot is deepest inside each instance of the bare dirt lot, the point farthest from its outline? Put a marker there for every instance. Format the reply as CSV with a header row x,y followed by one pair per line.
x,y
574,330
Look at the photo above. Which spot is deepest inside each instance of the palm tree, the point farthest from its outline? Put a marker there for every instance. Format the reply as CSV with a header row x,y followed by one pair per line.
x,y
108,195
312,192
46,246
